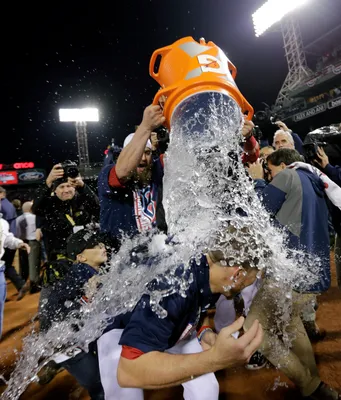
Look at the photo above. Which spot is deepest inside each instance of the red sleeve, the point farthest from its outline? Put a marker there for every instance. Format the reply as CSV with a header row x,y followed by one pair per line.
x,y
113,179
161,160
131,353
251,150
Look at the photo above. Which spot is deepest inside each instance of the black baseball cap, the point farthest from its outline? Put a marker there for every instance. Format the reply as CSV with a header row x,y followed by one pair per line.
x,y
81,240
58,182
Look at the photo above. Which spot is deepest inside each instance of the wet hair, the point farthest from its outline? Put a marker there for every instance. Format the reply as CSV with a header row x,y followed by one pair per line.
x,y
285,156
242,247
217,256
285,133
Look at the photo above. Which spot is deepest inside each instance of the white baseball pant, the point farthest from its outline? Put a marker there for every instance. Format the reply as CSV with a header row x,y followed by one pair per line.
x,y
205,387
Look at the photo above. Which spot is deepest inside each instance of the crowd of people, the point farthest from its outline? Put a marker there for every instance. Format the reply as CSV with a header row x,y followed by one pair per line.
x,y
75,232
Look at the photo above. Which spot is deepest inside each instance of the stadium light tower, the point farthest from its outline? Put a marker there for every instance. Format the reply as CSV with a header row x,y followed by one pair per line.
x,y
80,116
266,16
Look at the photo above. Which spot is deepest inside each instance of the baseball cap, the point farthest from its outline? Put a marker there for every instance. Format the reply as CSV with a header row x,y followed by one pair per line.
x,y
58,182
128,139
81,240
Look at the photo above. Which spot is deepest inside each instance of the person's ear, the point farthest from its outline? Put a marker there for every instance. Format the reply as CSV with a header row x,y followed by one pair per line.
x,y
81,258
238,277
282,165
232,274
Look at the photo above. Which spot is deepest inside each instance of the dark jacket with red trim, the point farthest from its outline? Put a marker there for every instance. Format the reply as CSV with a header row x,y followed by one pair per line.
x,y
146,331
118,208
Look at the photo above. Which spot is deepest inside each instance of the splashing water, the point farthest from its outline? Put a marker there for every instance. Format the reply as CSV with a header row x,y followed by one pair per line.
x,y
278,383
206,191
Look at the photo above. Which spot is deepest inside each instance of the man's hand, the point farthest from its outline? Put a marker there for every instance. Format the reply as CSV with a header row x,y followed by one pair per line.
x,y
76,182
323,160
230,352
91,287
162,101
25,246
256,170
152,118
247,128
281,125
208,340
39,234
154,140
57,172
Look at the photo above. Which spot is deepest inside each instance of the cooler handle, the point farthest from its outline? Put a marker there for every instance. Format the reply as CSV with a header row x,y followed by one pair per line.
x,y
233,69
159,52
163,92
248,107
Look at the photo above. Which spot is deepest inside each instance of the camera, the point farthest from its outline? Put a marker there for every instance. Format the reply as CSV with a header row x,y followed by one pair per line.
x,y
310,151
70,169
257,133
265,124
266,117
266,170
330,138
162,135
273,119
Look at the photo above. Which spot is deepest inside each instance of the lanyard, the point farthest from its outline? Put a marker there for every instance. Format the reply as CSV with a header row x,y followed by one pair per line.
x,y
69,217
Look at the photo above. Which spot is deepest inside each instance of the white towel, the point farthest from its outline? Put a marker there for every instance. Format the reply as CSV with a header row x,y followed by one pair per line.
x,y
333,191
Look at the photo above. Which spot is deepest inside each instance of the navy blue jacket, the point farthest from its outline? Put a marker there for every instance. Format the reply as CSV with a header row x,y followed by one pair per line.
x,y
147,332
334,173
9,213
66,296
117,209
298,142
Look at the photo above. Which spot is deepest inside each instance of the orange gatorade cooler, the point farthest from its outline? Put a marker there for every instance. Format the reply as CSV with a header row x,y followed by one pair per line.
x,y
190,73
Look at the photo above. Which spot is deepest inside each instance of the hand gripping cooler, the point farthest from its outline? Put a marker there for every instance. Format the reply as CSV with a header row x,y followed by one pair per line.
x,y
192,73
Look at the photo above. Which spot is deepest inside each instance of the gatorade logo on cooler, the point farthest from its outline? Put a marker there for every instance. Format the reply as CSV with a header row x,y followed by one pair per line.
x,y
210,63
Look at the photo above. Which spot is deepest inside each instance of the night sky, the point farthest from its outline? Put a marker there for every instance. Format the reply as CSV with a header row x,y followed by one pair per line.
x,y
77,54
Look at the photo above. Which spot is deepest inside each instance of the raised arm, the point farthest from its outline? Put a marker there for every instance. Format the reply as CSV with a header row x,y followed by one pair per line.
x,y
333,172
43,193
131,155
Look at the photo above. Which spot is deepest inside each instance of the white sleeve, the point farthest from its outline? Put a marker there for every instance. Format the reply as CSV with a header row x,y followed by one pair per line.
x,y
10,240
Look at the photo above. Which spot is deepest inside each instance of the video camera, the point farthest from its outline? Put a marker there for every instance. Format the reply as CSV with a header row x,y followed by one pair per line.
x,y
328,137
265,124
264,117
310,151
70,169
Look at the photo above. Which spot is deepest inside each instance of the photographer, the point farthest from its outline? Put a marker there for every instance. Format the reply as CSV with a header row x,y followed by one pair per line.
x,y
65,205
296,200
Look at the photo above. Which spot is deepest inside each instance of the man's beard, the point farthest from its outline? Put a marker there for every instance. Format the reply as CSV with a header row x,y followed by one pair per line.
x,y
144,178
